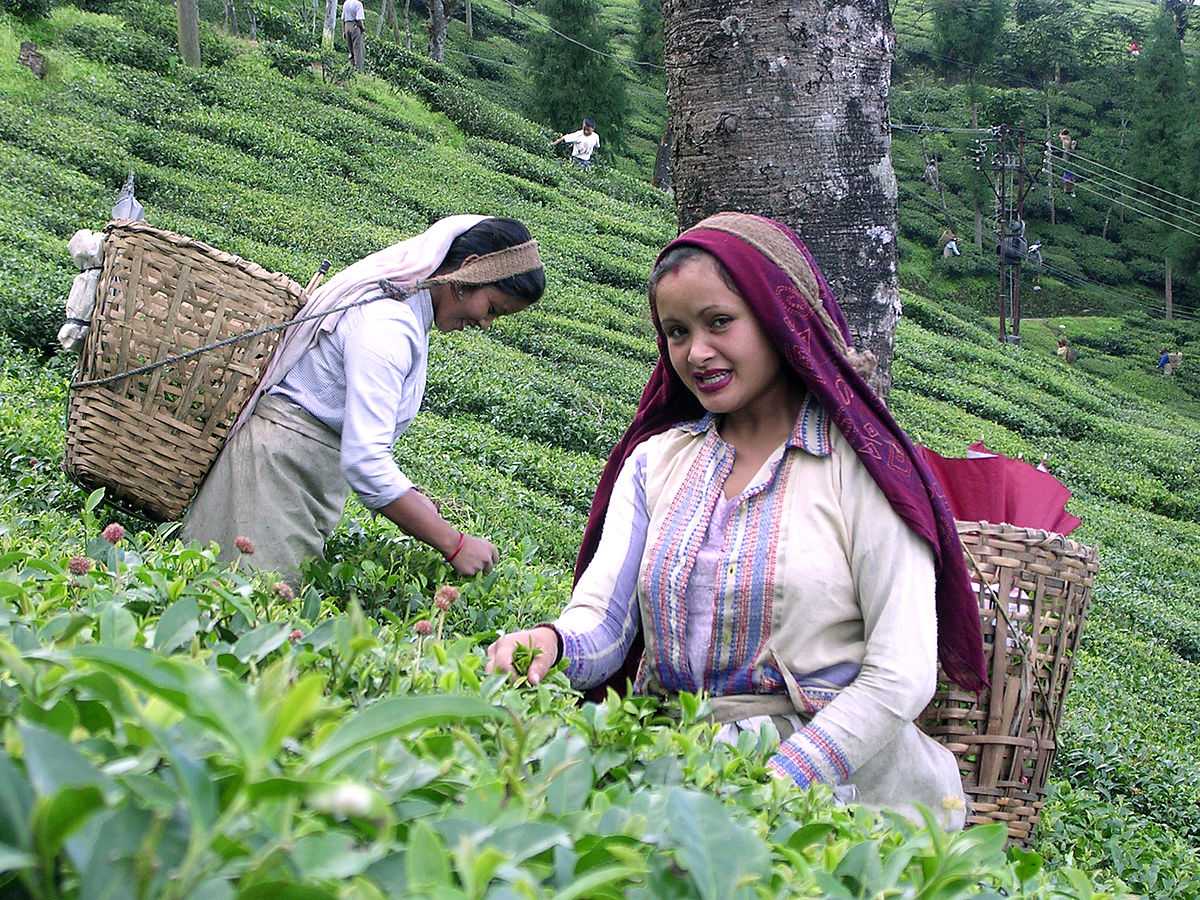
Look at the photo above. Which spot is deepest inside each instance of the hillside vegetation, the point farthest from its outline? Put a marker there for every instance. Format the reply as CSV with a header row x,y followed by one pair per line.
x,y
174,727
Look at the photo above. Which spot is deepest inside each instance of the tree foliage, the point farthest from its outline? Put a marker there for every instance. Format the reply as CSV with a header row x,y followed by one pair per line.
x,y
571,82
965,34
649,39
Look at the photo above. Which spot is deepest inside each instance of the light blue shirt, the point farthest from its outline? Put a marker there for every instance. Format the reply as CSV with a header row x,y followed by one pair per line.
x,y
365,380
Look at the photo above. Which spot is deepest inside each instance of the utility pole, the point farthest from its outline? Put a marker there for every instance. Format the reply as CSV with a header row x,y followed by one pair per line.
x,y
1016,274
1049,160
1000,167
1011,182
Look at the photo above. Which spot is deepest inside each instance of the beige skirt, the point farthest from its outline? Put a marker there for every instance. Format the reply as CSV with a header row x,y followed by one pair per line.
x,y
277,482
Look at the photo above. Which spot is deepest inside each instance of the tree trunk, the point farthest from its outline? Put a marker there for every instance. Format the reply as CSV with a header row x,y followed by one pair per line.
x,y
316,12
975,193
437,31
188,15
662,161
331,9
780,107
231,16
470,24
383,14
1168,290
407,24
253,23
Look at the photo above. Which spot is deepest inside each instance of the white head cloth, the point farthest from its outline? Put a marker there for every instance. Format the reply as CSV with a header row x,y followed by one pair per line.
x,y
402,265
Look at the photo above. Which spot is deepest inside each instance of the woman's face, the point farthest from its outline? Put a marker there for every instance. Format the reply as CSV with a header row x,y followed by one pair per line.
x,y
716,345
473,307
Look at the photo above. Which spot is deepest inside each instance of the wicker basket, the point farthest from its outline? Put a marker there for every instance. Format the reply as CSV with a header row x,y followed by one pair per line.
x,y
1004,738
151,439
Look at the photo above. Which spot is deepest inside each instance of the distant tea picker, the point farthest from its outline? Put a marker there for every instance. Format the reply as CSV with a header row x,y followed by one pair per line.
x,y
341,389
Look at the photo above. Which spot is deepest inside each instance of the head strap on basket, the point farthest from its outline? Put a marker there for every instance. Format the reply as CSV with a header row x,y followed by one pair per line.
x,y
493,267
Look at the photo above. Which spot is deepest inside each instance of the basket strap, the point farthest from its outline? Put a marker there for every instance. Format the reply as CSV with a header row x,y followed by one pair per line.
x,y
392,293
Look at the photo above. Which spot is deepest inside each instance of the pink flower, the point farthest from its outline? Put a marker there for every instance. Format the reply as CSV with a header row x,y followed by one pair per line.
x,y
244,544
423,628
296,635
283,590
113,533
79,565
445,596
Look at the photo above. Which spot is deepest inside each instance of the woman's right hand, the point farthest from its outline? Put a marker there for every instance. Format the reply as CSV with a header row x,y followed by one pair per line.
x,y
542,638
475,555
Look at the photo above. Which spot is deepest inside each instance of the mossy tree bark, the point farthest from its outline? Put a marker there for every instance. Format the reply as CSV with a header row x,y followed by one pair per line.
x,y
437,30
188,20
780,107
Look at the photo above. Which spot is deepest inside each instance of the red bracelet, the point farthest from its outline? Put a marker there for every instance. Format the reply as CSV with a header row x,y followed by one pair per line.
x,y
462,539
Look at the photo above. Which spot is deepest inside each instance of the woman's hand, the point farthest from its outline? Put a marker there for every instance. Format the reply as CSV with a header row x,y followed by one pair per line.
x,y
475,555
543,640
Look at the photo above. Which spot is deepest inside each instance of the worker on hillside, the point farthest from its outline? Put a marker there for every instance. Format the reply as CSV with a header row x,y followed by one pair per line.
x,y
949,243
341,389
354,27
769,535
583,143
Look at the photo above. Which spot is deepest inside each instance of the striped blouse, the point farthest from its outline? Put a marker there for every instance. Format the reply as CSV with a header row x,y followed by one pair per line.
x,y
808,567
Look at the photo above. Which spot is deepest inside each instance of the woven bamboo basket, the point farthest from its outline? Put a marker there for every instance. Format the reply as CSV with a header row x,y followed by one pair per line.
x,y
151,438
1034,591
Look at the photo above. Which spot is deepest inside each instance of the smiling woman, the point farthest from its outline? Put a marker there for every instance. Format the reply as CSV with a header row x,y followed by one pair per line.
x,y
767,533
341,390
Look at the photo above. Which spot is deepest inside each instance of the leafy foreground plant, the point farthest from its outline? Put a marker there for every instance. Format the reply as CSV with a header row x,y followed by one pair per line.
x,y
174,728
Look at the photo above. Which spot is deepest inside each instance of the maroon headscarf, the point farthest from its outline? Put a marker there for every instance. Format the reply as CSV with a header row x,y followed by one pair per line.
x,y
780,281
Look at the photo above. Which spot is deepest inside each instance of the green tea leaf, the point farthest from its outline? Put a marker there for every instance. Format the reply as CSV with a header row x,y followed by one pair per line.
x,y
302,702
259,643
177,625
427,864
54,764
57,817
12,859
212,698
721,856
118,628
399,715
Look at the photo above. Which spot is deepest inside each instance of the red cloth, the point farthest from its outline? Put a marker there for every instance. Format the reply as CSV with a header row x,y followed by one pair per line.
x,y
990,487
815,356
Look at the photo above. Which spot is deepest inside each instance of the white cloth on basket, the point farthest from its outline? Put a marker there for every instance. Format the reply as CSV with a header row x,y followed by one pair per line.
x,y
87,252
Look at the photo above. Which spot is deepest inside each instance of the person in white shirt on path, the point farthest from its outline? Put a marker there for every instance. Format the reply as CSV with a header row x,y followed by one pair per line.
x,y
341,389
354,27
583,143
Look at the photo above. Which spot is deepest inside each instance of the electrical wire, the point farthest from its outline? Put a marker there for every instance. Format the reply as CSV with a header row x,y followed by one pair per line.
x,y
579,43
1127,191
1101,165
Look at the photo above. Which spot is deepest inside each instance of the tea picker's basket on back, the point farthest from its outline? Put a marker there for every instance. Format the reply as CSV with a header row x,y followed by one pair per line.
x,y
150,438
1034,589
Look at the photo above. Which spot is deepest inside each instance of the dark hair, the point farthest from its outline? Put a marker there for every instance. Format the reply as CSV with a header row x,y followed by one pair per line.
x,y
674,260
489,236
590,123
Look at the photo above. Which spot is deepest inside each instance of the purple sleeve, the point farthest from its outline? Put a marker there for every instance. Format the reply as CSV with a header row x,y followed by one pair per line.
x,y
599,624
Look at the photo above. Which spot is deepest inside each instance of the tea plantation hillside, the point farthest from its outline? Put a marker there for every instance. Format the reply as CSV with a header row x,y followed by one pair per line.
x,y
177,728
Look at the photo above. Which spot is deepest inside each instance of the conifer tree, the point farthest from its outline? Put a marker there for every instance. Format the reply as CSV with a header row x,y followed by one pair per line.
x,y
649,43
571,82
1161,133
966,35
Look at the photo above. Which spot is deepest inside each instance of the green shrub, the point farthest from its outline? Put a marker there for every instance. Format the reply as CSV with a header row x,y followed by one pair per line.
x,y
286,59
26,9
113,44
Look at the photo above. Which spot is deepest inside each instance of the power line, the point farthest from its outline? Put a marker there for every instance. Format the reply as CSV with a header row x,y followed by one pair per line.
x,y
1083,187
579,43
1131,178
1108,183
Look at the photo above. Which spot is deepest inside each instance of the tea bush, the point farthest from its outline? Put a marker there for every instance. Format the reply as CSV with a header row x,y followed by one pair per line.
x,y
177,727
